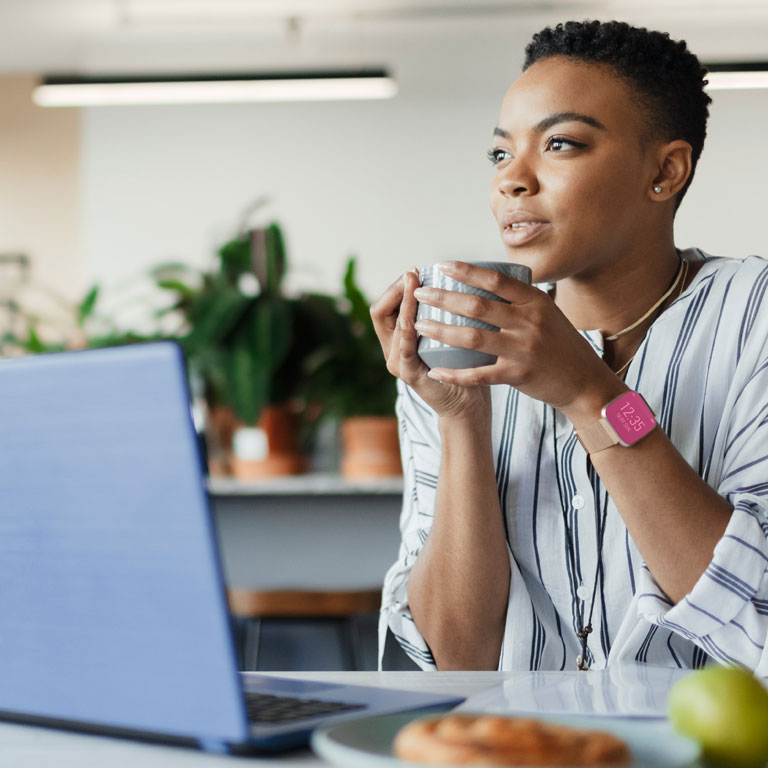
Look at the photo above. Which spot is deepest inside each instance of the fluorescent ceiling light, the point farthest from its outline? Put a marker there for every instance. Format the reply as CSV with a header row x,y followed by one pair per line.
x,y
752,74
62,91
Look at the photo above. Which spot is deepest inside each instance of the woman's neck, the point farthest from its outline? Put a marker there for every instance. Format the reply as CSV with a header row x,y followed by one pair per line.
x,y
612,299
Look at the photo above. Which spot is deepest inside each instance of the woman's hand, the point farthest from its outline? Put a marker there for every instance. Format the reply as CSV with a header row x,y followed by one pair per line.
x,y
539,352
394,316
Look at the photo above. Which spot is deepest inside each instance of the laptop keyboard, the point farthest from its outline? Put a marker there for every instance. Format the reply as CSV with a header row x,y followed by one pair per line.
x,y
263,708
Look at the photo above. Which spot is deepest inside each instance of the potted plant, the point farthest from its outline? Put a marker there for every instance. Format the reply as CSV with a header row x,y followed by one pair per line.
x,y
249,344
356,388
80,326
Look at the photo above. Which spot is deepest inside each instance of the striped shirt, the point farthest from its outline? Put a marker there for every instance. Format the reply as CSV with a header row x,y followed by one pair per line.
x,y
703,368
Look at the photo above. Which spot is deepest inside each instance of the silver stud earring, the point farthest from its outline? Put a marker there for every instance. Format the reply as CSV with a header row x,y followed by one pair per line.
x,y
657,189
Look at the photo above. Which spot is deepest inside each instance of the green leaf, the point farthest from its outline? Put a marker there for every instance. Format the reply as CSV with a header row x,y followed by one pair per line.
x,y
360,308
171,268
87,305
275,256
235,259
215,316
247,383
271,332
33,343
176,286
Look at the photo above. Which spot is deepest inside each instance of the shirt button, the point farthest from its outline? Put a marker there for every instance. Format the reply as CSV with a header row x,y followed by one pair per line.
x,y
582,592
577,502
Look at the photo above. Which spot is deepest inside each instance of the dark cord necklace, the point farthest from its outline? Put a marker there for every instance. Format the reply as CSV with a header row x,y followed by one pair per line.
x,y
582,630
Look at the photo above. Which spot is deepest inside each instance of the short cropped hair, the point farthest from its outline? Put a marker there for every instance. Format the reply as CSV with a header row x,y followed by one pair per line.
x,y
667,77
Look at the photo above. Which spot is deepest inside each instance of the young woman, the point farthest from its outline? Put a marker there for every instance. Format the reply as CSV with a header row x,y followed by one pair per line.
x,y
531,537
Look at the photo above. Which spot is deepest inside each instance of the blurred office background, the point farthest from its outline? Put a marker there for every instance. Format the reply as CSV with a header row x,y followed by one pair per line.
x,y
98,195
101,193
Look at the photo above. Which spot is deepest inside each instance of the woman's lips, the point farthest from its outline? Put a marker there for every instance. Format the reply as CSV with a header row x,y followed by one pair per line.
x,y
523,232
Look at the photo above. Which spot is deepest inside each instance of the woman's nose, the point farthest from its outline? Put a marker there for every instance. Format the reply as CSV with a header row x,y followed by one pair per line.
x,y
517,178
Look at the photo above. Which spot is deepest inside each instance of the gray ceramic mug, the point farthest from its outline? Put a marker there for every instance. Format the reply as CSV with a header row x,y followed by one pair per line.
x,y
436,354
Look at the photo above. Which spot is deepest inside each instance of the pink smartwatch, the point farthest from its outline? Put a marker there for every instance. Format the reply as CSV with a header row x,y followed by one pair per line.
x,y
626,419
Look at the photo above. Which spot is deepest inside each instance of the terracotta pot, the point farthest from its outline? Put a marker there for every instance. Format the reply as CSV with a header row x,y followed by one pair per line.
x,y
370,447
283,456
222,424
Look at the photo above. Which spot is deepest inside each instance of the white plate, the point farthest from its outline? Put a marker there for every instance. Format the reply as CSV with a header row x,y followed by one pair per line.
x,y
367,743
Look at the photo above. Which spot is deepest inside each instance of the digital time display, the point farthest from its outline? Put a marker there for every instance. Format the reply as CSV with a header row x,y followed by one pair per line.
x,y
630,416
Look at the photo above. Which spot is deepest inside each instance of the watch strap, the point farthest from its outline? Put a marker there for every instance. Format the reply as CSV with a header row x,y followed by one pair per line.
x,y
598,436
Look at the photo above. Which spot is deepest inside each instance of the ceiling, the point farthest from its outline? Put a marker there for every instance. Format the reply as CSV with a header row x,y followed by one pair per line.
x,y
87,35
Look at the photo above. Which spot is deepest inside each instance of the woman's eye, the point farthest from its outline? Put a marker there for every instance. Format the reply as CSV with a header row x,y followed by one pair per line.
x,y
559,143
496,155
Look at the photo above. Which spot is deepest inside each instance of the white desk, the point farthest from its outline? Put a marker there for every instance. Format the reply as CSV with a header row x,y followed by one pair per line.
x,y
22,746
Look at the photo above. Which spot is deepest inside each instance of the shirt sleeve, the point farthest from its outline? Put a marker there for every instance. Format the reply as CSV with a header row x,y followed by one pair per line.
x,y
726,612
420,449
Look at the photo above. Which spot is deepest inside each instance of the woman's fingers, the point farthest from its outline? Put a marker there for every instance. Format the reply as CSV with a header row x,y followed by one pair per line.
x,y
409,303
469,377
410,363
384,314
393,317
514,291
463,336
385,310
465,304
515,294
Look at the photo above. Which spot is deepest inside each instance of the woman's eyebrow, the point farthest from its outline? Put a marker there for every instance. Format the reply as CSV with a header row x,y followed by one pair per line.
x,y
554,119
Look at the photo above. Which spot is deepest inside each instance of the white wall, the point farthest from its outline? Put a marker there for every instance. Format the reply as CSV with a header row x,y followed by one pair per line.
x,y
39,186
397,182
724,211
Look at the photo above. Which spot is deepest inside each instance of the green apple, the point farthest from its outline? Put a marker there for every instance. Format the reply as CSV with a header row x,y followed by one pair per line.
x,y
725,709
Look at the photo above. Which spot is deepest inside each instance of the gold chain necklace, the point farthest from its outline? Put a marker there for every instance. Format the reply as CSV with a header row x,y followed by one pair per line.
x,y
653,308
682,269
626,365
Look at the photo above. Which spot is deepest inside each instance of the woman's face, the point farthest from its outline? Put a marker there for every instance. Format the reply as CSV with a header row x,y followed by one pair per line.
x,y
573,172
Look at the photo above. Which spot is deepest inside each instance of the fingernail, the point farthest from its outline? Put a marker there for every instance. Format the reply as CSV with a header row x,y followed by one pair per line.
x,y
421,326
436,375
421,293
447,266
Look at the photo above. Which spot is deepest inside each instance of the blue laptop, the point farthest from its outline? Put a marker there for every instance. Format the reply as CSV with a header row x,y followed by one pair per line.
x,y
113,613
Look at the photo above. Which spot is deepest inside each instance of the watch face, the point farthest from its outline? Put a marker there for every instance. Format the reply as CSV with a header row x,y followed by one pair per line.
x,y
630,416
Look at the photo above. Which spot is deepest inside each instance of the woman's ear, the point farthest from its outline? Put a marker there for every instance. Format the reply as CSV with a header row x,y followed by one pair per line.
x,y
674,169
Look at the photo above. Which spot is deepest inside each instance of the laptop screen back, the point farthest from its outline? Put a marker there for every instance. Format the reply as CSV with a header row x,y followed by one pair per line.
x,y
112,610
